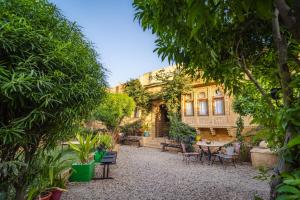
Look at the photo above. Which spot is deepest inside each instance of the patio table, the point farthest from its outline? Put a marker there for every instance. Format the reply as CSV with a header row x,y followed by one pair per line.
x,y
202,144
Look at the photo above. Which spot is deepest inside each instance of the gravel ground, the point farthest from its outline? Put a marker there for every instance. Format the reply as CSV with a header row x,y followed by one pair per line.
x,y
145,173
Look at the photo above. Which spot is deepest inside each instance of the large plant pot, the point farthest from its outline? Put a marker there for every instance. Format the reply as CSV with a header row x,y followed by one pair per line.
x,y
45,196
263,157
146,134
3,195
56,193
83,172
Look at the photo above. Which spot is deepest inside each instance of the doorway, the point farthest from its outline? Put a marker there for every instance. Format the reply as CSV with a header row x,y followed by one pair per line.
x,y
162,122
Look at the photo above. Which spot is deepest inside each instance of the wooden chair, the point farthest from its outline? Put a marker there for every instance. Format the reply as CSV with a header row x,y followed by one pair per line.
x,y
186,156
227,156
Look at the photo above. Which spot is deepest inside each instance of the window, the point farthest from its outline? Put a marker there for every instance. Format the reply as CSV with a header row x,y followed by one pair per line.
x,y
136,112
202,104
189,105
219,108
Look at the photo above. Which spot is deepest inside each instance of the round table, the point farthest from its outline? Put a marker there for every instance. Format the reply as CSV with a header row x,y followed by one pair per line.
x,y
211,144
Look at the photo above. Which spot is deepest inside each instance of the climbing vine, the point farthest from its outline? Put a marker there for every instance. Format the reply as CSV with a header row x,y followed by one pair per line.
x,y
174,84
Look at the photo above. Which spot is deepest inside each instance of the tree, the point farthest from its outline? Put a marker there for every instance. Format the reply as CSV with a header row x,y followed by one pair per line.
x,y
225,41
174,85
50,80
113,110
142,98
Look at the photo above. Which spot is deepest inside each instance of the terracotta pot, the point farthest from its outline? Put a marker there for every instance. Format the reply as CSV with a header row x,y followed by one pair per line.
x,y
56,193
45,196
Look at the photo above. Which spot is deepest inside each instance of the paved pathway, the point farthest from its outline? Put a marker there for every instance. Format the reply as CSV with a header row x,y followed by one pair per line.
x,y
145,173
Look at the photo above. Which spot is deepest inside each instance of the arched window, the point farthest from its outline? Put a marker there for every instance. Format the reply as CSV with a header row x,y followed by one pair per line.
x,y
202,104
218,105
189,105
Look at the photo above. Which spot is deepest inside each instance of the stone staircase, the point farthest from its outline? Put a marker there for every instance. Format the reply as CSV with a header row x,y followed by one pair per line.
x,y
152,142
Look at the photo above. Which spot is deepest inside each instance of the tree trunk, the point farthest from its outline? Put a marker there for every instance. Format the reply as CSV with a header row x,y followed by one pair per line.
x,y
20,193
285,79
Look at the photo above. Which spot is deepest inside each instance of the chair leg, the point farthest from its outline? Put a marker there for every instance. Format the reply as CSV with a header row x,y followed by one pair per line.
x,y
221,161
233,161
213,160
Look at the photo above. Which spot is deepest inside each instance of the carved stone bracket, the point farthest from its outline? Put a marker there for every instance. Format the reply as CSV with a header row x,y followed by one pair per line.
x,y
231,132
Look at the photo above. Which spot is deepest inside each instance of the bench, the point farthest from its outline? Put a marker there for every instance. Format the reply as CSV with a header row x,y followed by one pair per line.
x,y
131,139
173,145
68,144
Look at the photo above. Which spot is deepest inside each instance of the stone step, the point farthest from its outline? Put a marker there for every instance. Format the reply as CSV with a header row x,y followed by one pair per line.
x,y
152,146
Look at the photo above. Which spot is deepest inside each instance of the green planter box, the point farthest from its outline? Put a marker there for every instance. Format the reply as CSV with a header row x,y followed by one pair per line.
x,y
99,155
83,172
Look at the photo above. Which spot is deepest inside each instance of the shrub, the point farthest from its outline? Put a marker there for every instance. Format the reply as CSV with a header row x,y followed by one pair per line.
x,y
113,109
50,79
134,128
182,132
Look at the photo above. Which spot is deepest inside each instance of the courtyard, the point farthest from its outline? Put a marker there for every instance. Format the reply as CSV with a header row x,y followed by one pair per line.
x,y
148,173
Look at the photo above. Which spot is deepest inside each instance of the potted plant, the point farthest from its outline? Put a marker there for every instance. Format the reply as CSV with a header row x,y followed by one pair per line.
x,y
105,142
3,191
51,178
146,128
84,170
58,175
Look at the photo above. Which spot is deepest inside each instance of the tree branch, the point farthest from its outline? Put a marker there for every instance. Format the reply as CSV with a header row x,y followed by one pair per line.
x,y
258,86
290,17
243,64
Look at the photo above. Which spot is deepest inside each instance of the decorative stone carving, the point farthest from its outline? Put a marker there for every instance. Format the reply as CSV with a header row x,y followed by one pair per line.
x,y
231,132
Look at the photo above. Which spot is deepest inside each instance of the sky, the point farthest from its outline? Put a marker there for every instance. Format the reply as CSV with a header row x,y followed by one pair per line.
x,y
124,48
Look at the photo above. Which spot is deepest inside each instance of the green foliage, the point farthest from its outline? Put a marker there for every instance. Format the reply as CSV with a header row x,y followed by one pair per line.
x,y
86,144
50,79
181,132
263,174
141,97
250,103
174,84
134,128
113,109
290,187
235,43
240,127
51,167
202,35
105,141
9,171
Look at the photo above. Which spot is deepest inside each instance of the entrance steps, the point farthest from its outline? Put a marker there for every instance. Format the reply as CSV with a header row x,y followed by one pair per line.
x,y
152,142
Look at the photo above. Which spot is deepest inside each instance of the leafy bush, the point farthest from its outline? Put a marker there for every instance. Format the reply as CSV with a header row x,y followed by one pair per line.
x,y
134,128
113,109
50,79
290,187
182,132
105,141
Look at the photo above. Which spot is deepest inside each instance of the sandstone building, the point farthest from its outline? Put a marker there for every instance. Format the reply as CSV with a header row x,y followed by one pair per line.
x,y
206,107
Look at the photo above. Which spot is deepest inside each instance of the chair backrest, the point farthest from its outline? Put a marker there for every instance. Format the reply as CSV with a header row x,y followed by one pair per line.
x,y
237,147
183,148
230,150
